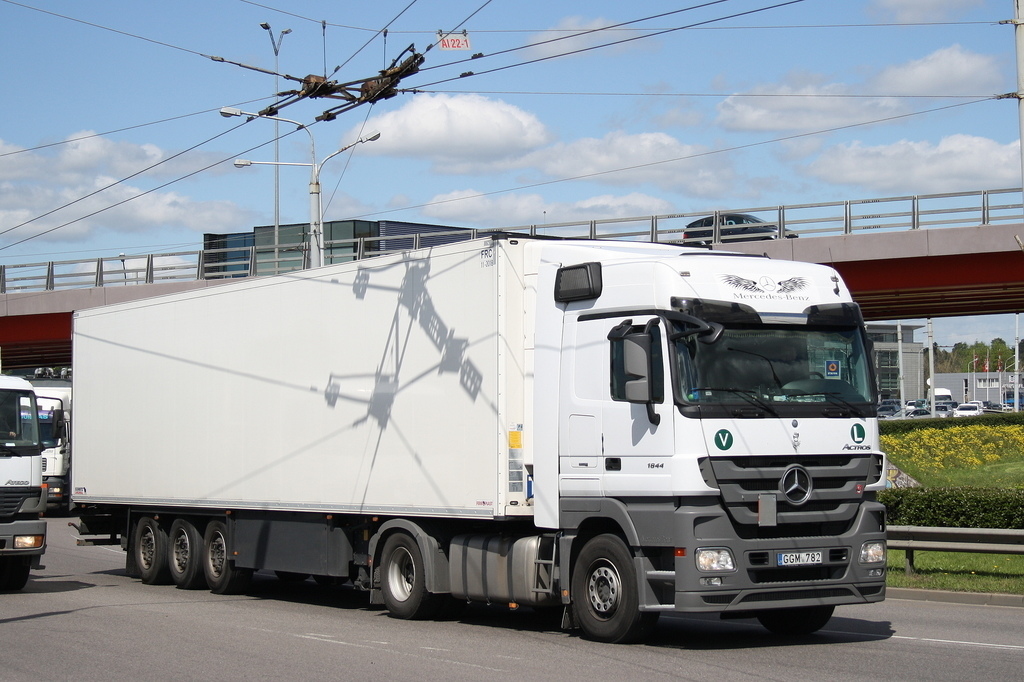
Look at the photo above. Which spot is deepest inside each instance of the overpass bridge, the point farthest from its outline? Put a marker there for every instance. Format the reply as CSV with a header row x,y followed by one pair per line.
x,y
904,257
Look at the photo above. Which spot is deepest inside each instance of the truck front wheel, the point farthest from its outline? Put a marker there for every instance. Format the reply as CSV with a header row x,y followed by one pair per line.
x,y
221,574
13,573
150,548
605,602
186,551
796,621
403,580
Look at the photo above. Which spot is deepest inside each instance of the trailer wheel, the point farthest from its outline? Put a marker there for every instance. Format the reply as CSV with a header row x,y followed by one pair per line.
x,y
150,548
403,581
13,573
186,556
605,602
796,621
221,574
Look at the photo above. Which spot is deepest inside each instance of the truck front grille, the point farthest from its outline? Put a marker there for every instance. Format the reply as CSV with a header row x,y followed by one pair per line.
x,y
11,499
837,490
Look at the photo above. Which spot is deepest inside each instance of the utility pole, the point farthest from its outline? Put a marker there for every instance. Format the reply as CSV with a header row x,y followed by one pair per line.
x,y
1018,34
276,44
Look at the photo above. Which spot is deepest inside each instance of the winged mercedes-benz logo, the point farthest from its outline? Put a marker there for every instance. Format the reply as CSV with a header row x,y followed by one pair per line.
x,y
765,284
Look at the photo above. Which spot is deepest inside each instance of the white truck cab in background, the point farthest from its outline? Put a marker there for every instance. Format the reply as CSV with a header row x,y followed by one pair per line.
x,y
22,493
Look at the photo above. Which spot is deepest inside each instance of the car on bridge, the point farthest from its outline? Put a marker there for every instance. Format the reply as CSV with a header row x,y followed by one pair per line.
x,y
733,227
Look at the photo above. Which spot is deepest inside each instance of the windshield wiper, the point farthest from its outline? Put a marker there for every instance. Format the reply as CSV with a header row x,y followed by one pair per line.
x,y
748,395
834,397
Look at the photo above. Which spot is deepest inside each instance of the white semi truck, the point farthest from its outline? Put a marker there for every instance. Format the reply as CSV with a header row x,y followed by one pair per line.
x,y
623,429
53,396
22,493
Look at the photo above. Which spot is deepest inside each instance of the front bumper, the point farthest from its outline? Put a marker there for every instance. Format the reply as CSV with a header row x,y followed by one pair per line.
x,y
759,583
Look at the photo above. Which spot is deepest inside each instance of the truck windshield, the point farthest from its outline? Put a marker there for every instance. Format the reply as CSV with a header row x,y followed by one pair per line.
x,y
18,419
775,366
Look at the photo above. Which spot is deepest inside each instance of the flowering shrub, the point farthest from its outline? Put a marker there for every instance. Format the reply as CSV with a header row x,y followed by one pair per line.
x,y
931,449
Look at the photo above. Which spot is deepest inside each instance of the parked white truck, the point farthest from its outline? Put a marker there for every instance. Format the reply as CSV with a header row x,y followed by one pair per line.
x,y
22,494
53,396
625,429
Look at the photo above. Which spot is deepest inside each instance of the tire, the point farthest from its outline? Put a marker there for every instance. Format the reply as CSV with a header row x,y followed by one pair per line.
x,y
13,573
150,552
796,621
185,556
403,581
221,575
605,602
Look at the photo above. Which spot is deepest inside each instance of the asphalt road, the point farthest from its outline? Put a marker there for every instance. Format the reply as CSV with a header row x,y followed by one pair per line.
x,y
82,619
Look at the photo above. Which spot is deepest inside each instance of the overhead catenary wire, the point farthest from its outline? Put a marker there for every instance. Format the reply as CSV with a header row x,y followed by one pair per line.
x,y
711,152
612,43
144,193
498,69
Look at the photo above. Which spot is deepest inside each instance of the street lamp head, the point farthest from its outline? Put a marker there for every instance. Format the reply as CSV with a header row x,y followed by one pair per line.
x,y
242,163
286,31
372,137
228,112
265,26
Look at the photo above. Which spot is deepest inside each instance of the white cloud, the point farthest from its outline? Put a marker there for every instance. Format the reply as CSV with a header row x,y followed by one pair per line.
x,y
950,71
575,33
805,108
687,168
923,10
33,183
807,103
459,134
956,163
509,210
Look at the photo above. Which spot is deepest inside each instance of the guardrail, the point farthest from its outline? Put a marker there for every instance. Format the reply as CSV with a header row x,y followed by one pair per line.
x,y
888,214
977,540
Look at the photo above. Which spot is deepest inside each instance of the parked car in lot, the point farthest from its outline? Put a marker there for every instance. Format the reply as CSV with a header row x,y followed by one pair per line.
x,y
733,227
888,411
943,409
967,410
918,412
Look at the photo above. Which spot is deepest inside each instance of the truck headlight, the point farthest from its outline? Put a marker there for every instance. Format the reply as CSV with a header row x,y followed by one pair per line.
x,y
715,559
872,552
28,541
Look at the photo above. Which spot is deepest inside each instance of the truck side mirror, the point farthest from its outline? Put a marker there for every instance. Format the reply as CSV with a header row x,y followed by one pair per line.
x,y
60,425
636,375
636,364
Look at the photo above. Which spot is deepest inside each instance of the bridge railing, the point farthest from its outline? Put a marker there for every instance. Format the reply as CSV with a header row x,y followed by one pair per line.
x,y
888,214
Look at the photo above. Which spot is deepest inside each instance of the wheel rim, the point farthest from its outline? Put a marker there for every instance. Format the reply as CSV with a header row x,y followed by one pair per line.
x,y
604,589
401,574
147,547
217,554
181,551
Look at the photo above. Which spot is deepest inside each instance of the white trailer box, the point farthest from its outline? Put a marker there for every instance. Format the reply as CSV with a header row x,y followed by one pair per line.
x,y
392,386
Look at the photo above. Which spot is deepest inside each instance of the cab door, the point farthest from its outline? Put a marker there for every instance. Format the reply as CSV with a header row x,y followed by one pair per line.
x,y
610,446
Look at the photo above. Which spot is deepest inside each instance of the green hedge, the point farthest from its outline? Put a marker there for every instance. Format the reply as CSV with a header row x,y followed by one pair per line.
x,y
890,427
954,507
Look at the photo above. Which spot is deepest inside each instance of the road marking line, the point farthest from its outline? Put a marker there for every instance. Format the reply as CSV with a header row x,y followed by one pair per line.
x,y
985,645
955,641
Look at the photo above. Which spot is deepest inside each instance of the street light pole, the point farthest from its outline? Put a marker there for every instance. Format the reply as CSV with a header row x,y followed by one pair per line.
x,y
314,254
277,171
228,112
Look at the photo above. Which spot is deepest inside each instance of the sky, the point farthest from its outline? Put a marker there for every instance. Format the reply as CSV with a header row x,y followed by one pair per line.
x,y
111,139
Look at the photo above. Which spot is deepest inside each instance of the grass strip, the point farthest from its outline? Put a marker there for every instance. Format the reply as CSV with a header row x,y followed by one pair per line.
x,y
958,572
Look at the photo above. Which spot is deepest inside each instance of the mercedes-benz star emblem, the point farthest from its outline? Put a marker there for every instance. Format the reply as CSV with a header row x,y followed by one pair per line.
x,y
795,485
